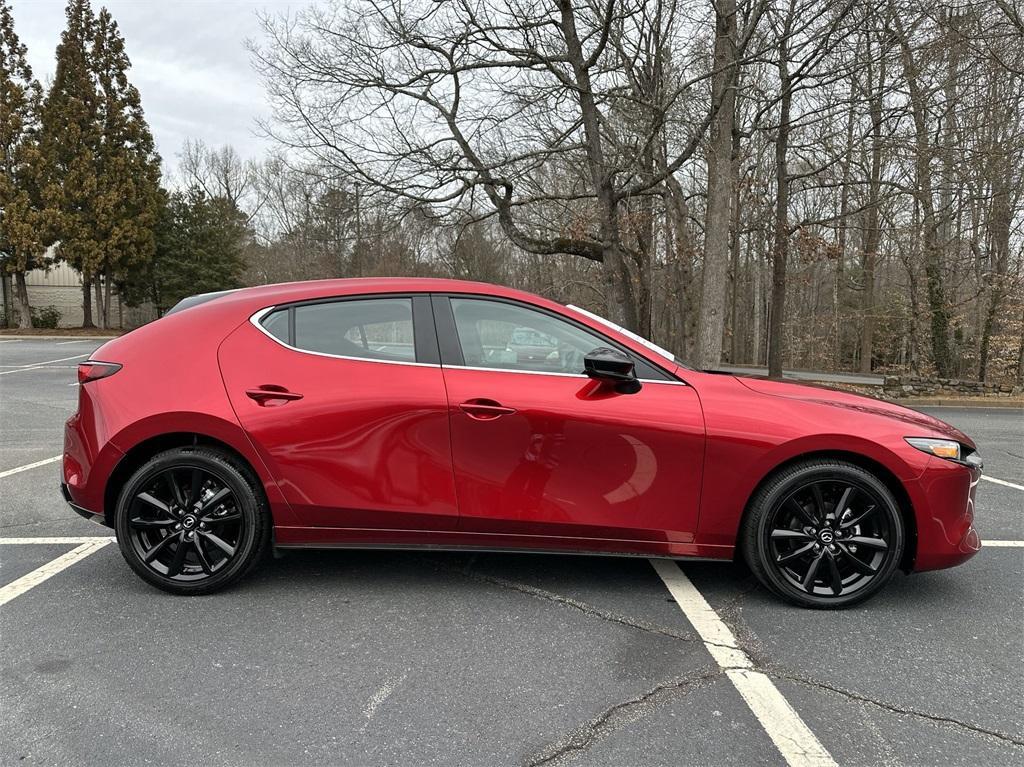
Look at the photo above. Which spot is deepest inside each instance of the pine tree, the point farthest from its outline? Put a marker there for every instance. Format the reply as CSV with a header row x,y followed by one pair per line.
x,y
69,146
128,192
21,246
200,247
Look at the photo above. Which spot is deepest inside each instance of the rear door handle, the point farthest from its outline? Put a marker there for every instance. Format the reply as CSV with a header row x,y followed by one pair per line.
x,y
485,409
270,392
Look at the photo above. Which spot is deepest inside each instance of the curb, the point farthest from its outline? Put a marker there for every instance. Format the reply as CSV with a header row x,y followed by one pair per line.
x,y
42,337
1003,404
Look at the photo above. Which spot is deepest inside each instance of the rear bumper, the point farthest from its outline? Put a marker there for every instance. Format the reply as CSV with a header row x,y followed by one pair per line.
x,y
80,510
946,536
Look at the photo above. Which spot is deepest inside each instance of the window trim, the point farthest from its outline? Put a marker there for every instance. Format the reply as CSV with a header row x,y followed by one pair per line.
x,y
451,348
422,344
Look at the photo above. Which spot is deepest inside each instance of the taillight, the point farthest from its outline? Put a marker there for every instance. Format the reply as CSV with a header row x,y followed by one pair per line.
x,y
91,371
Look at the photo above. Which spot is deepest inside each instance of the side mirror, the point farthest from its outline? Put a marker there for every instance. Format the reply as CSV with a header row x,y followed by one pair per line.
x,y
613,367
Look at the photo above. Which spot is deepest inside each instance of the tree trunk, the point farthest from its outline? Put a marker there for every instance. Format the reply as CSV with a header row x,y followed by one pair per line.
x,y
872,234
721,191
21,298
100,311
87,302
615,271
933,252
7,288
1001,221
844,228
107,292
780,250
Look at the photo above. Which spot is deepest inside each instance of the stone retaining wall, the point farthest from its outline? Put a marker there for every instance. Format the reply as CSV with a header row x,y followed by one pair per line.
x,y
912,386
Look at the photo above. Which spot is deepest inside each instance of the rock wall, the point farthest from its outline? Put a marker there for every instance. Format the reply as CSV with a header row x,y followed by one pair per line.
x,y
912,386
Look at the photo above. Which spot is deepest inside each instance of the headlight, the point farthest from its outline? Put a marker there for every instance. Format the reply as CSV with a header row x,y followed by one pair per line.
x,y
943,448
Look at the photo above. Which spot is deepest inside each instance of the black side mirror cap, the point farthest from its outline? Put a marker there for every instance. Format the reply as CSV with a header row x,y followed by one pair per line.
x,y
613,367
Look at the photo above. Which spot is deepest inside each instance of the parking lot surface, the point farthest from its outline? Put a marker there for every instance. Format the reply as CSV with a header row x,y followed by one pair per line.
x,y
394,658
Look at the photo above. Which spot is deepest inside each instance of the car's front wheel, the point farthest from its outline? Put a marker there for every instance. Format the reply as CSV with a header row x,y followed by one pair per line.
x,y
192,520
823,533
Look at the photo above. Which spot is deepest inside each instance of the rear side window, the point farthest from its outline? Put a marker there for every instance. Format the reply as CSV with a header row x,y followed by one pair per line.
x,y
277,324
373,328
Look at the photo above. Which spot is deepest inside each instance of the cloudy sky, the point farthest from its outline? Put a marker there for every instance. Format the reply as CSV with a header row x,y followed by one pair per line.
x,y
188,60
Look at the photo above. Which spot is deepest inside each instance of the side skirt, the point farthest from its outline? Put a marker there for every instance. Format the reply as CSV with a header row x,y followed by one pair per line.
x,y
420,540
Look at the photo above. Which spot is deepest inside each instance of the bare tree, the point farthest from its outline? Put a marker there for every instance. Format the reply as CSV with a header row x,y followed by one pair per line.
x,y
466,107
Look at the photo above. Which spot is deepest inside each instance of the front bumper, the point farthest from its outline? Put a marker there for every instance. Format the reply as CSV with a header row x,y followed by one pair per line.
x,y
946,536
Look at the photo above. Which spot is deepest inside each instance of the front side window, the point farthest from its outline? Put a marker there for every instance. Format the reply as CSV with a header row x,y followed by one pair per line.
x,y
372,328
504,336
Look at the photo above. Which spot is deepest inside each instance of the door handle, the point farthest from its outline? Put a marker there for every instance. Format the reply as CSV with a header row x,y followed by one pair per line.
x,y
485,409
269,392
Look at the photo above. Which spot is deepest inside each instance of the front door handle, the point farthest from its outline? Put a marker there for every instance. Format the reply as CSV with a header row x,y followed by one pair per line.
x,y
485,409
267,394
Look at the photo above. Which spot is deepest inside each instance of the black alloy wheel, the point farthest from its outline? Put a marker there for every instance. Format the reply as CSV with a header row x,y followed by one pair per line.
x,y
824,534
191,520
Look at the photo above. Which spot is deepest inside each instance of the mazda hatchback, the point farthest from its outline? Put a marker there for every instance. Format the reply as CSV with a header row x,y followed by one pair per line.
x,y
396,413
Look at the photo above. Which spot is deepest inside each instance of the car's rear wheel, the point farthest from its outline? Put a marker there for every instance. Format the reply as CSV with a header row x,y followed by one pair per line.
x,y
192,520
823,534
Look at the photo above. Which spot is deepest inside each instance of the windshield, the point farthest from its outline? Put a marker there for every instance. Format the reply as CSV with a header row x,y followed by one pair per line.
x,y
630,334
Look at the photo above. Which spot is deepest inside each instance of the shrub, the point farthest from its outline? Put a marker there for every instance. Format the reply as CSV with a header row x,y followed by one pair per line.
x,y
48,317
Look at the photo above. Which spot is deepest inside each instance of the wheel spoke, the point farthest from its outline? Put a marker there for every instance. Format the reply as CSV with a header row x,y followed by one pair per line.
x,y
154,502
871,509
150,555
139,522
176,493
227,548
793,535
203,561
232,517
195,487
796,507
844,502
812,573
213,501
860,566
174,568
819,502
871,543
795,553
837,579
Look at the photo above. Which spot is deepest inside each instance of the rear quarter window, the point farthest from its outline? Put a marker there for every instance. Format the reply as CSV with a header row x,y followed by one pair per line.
x,y
374,329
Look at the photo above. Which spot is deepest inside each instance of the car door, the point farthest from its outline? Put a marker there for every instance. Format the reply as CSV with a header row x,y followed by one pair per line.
x,y
540,449
345,401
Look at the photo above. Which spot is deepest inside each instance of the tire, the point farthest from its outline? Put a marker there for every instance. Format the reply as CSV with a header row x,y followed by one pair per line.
x,y
803,548
192,520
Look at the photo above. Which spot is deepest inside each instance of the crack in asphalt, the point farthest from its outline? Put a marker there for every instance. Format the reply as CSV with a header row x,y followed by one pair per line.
x,y
575,604
625,712
894,709
582,737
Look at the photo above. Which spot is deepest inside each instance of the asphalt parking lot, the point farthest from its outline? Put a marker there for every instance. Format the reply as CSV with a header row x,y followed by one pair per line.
x,y
394,658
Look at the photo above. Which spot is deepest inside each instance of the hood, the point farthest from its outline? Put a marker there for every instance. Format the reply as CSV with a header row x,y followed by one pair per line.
x,y
824,395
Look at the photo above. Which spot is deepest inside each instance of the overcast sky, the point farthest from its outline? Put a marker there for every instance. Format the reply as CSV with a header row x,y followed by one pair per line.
x,y
188,60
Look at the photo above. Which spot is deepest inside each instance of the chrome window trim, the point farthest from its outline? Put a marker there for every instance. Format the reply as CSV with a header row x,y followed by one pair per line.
x,y
548,373
255,320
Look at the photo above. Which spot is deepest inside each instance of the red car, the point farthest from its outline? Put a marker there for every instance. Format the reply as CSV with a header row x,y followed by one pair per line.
x,y
389,413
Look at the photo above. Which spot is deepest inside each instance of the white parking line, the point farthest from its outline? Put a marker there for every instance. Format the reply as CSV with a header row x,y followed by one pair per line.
x,y
794,739
1005,544
10,341
41,365
61,359
76,341
61,540
50,569
1002,482
27,466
